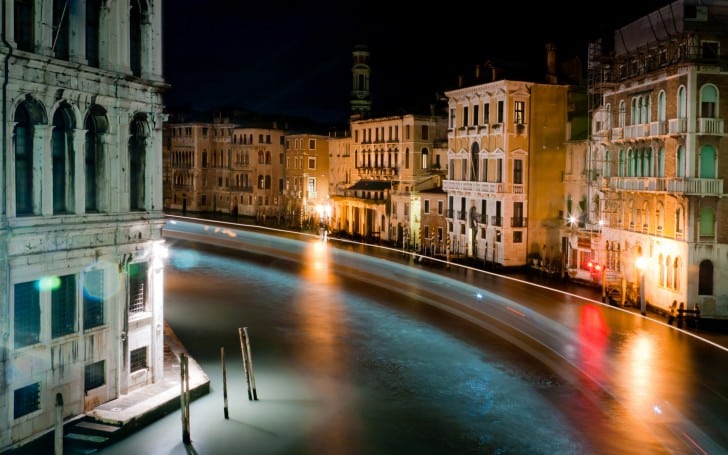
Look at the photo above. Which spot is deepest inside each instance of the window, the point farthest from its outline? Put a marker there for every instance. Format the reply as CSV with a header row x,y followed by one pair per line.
x,y
137,287
705,278
425,132
425,158
62,162
499,114
439,207
93,9
137,163
708,101
26,400
137,15
138,359
518,172
60,28
486,113
24,25
63,306
476,117
93,299
452,119
24,159
519,113
465,116
94,375
26,314
312,163
426,209
517,237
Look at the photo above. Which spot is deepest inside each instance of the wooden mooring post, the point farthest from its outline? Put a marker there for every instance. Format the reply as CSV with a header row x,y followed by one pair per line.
x,y
224,381
247,363
184,397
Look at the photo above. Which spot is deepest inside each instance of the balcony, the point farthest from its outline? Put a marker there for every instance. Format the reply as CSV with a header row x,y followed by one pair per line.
x,y
497,221
677,126
481,187
687,186
710,126
519,222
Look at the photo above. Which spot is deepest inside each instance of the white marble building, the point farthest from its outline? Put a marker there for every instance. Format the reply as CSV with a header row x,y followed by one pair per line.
x,y
81,216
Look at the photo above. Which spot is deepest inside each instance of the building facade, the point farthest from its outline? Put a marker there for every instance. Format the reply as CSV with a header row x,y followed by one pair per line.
x,y
393,157
504,185
306,182
661,102
81,249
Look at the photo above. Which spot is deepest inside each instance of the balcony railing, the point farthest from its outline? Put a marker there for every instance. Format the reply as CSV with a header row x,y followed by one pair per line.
x,y
482,187
496,221
710,126
687,186
519,222
677,125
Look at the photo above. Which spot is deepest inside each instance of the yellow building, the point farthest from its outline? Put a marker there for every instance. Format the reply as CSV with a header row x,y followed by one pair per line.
x,y
505,161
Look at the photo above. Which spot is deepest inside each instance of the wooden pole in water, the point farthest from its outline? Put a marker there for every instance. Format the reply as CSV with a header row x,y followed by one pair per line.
x,y
184,397
250,363
58,440
224,380
243,350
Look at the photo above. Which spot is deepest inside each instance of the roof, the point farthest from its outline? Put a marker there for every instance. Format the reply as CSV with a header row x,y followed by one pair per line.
x,y
374,185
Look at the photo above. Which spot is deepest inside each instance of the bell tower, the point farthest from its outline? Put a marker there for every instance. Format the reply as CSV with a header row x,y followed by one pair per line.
x,y
361,98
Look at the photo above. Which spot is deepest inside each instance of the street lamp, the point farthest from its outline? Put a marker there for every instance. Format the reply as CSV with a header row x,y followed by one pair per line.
x,y
641,264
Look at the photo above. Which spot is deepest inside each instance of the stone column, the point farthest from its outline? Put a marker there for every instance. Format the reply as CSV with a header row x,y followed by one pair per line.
x,y
79,171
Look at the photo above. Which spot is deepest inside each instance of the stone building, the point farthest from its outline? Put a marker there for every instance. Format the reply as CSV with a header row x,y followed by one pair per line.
x,y
81,249
658,85
504,184
306,182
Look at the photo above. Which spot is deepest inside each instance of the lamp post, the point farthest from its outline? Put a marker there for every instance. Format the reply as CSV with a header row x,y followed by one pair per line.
x,y
641,264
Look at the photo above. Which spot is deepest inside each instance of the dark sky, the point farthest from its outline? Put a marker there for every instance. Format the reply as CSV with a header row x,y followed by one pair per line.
x,y
294,58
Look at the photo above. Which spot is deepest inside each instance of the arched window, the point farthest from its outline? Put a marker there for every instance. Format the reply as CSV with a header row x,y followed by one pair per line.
x,y
679,220
682,103
23,138
96,126
670,272
708,101
676,274
606,171
267,157
608,118
707,162
680,162
261,182
634,112
661,162
661,264
705,278
407,159
622,114
660,216
137,13
425,158
622,170
661,107
137,162
62,159
630,163
645,216
261,157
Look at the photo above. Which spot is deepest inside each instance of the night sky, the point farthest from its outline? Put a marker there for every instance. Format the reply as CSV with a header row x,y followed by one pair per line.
x,y
294,59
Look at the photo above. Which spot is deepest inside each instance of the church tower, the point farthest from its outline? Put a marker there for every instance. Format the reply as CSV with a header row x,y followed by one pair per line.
x,y
361,99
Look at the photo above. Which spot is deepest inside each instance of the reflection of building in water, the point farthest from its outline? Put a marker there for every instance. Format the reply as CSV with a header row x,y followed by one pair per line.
x,y
81,300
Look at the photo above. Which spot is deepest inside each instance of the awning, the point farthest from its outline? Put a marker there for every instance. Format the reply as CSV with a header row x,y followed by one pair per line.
x,y
371,185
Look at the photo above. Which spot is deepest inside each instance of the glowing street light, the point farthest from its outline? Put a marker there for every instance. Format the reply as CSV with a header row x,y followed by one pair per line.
x,y
641,264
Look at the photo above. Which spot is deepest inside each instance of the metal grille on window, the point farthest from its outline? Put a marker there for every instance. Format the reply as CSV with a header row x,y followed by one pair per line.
x,y
138,359
94,376
137,287
26,400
